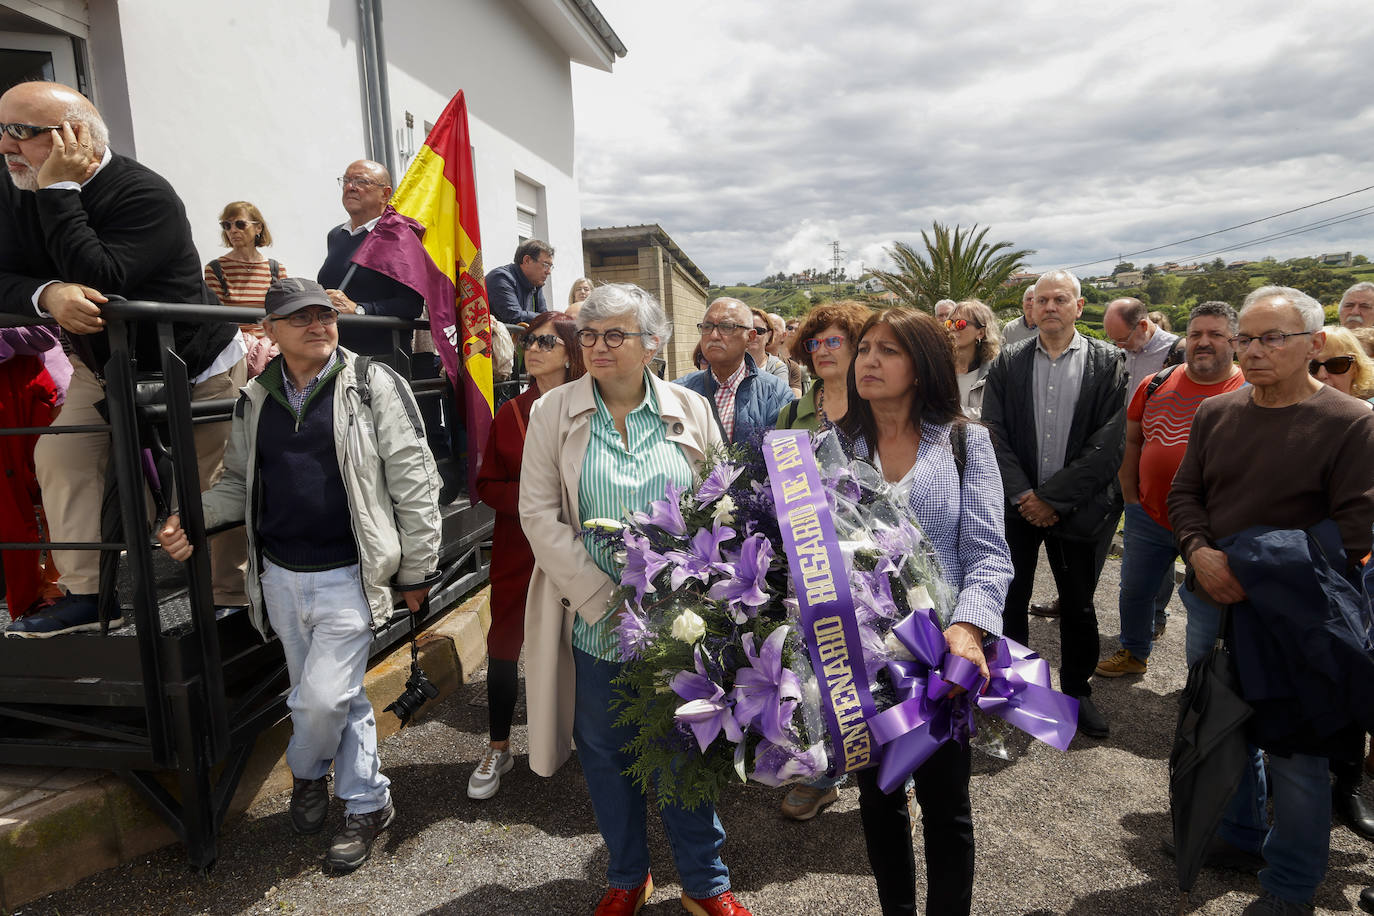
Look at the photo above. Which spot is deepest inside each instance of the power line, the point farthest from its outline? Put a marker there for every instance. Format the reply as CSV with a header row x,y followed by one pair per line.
x,y
1349,216
1131,254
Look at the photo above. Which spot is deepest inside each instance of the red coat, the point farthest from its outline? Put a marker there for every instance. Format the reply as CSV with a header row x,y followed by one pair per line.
x,y
27,397
512,562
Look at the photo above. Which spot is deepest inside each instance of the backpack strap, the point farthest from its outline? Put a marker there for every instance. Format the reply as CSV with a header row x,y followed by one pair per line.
x,y
274,269
1158,379
958,443
791,415
361,364
218,271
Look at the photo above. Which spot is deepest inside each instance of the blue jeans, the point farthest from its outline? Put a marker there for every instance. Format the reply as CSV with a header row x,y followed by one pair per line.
x,y
1296,846
695,835
1147,573
324,624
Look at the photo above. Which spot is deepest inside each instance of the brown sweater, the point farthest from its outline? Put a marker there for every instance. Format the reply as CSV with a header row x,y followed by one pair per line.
x,y
1287,467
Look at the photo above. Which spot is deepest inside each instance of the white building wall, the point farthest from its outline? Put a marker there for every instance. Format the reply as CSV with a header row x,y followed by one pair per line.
x,y
261,100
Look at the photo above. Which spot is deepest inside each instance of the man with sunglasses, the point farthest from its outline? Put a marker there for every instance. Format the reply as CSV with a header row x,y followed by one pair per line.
x,y
516,290
746,400
1285,452
80,224
329,472
360,290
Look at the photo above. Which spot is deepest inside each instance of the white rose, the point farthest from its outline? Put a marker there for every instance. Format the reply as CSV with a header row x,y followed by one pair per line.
x,y
724,511
688,627
918,598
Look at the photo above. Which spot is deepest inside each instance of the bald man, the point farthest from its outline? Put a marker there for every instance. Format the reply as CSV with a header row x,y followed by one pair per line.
x,y
80,223
366,192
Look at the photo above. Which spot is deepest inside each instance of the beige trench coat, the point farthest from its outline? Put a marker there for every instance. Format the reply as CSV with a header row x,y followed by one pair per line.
x,y
566,581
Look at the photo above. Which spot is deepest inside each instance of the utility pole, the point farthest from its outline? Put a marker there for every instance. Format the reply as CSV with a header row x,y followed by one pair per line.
x,y
836,259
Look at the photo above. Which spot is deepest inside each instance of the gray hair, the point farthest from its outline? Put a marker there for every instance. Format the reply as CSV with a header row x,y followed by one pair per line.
x,y
84,112
616,300
1363,286
1217,309
1062,276
1132,311
1309,310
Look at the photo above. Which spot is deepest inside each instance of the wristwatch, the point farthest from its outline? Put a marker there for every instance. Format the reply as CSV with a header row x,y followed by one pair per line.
x,y
360,310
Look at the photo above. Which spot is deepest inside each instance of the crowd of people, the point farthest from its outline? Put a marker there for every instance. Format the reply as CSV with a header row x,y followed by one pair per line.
x,y
1249,435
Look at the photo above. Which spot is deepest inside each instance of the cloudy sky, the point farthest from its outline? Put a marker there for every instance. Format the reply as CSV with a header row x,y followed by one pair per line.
x,y
757,131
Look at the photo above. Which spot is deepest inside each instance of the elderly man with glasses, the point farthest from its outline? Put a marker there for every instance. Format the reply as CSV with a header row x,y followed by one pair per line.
x,y
1281,455
516,290
360,290
746,400
329,472
82,224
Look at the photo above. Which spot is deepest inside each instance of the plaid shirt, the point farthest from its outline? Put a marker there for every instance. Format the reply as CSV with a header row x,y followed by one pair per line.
x,y
296,398
725,401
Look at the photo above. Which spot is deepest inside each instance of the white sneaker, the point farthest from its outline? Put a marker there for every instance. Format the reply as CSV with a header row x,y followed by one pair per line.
x,y
486,779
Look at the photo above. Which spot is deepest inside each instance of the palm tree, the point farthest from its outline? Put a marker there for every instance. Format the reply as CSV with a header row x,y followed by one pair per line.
x,y
956,265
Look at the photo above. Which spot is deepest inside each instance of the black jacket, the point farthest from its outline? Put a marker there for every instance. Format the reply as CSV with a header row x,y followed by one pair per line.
x,y
125,234
1085,493
512,296
378,294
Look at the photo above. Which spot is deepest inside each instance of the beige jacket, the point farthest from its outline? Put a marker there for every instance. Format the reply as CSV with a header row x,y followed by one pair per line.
x,y
566,581
389,477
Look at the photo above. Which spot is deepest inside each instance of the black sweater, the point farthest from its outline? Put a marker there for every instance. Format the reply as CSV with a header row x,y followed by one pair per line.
x,y
125,234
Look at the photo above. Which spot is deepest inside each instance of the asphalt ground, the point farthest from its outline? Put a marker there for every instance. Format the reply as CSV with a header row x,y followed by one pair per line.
x,y
1077,832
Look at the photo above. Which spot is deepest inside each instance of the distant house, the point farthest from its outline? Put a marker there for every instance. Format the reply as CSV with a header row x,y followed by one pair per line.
x,y
648,258
1021,277
1130,278
887,298
1339,259
1237,265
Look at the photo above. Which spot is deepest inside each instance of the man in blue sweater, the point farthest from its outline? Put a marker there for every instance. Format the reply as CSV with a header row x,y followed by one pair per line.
x,y
516,290
746,401
361,290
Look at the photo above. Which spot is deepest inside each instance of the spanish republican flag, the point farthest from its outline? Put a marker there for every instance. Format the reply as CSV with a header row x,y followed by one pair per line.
x,y
428,239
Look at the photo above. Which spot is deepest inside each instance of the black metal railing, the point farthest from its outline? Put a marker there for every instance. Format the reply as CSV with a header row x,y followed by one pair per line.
x,y
180,691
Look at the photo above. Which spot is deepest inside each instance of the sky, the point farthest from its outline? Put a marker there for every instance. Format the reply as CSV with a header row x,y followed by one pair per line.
x,y
756,132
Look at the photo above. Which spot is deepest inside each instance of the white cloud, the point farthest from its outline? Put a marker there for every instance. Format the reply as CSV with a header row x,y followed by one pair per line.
x,y
756,133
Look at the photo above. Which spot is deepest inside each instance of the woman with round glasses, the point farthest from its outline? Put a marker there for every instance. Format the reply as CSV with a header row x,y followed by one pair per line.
x,y
975,335
1343,365
824,344
240,276
552,358
603,446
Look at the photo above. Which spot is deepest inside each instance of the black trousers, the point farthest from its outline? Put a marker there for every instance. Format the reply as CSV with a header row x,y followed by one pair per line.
x,y
947,822
1076,568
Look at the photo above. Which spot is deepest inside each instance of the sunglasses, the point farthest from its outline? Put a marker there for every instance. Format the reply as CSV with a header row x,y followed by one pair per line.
x,y
831,343
958,324
1336,365
542,342
25,131
239,224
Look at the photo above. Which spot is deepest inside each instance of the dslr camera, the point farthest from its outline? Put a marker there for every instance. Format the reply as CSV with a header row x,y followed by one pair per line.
x,y
419,691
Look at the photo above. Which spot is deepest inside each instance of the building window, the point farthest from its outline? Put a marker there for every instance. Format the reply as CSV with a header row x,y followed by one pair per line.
x,y
530,218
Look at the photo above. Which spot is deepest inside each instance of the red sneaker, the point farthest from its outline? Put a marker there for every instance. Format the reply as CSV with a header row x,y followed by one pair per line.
x,y
722,904
618,901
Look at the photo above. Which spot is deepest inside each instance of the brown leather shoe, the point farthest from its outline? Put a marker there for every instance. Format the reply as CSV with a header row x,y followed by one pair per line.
x,y
619,901
722,904
1046,610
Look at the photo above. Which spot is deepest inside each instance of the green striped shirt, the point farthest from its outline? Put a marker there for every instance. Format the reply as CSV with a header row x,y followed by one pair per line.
x,y
617,481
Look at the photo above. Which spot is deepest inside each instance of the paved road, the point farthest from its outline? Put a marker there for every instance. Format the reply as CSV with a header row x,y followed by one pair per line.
x,y
1076,832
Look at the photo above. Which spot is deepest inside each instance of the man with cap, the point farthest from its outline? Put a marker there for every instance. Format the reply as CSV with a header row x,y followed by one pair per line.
x,y
329,471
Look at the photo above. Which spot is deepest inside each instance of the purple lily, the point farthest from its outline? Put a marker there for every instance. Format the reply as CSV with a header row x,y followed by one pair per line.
x,y
642,565
749,570
776,764
707,711
665,513
634,635
717,483
766,694
703,558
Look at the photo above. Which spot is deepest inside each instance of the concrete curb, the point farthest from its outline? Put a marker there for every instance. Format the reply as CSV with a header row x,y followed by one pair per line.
x,y
60,826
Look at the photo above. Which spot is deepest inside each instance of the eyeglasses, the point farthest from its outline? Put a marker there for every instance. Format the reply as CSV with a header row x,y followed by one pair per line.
x,y
547,265
542,342
25,131
725,327
1336,365
614,337
239,224
361,184
306,317
958,324
831,343
1272,340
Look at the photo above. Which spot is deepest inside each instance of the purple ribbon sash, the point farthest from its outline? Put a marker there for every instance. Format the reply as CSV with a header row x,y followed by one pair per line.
x,y
822,586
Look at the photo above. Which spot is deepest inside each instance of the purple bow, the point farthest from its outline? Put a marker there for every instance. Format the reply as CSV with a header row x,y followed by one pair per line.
x,y
926,716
